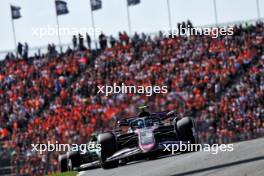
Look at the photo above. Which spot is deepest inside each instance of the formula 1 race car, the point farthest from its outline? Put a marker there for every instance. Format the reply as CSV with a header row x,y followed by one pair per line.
x,y
145,138
73,160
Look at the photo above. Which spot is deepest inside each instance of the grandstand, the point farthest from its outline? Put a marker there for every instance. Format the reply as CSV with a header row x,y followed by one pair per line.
x,y
54,96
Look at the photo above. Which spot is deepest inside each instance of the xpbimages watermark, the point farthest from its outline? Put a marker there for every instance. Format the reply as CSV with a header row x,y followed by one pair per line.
x,y
188,147
48,30
51,147
214,32
124,89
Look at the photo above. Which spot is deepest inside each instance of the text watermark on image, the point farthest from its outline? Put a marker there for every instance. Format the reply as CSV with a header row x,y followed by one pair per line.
x,y
188,147
48,30
124,89
214,32
51,147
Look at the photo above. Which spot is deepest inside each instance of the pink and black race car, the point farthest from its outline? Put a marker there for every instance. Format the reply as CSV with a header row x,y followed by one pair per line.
x,y
146,137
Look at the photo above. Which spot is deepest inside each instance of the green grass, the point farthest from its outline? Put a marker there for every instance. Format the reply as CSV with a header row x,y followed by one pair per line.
x,y
72,173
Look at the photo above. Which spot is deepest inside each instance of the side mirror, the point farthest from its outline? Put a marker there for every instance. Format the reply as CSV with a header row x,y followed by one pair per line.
x,y
171,113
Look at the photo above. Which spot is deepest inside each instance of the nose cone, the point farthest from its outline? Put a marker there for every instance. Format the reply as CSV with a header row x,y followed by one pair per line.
x,y
146,140
146,147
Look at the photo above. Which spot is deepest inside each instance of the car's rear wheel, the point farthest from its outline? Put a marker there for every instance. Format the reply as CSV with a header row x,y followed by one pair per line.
x,y
185,129
63,163
108,148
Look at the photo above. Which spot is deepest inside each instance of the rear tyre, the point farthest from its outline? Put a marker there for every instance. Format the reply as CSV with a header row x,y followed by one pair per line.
x,y
185,129
63,163
108,148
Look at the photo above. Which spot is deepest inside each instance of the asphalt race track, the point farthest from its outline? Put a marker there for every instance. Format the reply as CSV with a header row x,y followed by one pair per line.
x,y
247,159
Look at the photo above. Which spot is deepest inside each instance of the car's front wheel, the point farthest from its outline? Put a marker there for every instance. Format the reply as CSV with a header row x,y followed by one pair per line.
x,y
108,148
63,163
73,160
69,164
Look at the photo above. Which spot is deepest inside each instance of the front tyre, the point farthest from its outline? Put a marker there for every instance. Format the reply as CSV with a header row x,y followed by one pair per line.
x,y
63,163
108,148
69,164
73,160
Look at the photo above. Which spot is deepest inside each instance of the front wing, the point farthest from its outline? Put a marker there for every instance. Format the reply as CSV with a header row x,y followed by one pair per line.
x,y
128,152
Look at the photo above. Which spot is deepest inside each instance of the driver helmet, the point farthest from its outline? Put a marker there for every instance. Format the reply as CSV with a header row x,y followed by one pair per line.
x,y
144,114
140,124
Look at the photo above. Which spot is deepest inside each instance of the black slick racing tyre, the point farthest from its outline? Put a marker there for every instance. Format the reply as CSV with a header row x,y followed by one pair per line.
x,y
185,129
108,148
73,160
63,163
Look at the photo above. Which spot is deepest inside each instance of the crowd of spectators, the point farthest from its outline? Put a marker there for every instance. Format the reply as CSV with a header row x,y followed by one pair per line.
x,y
54,98
26,88
240,112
